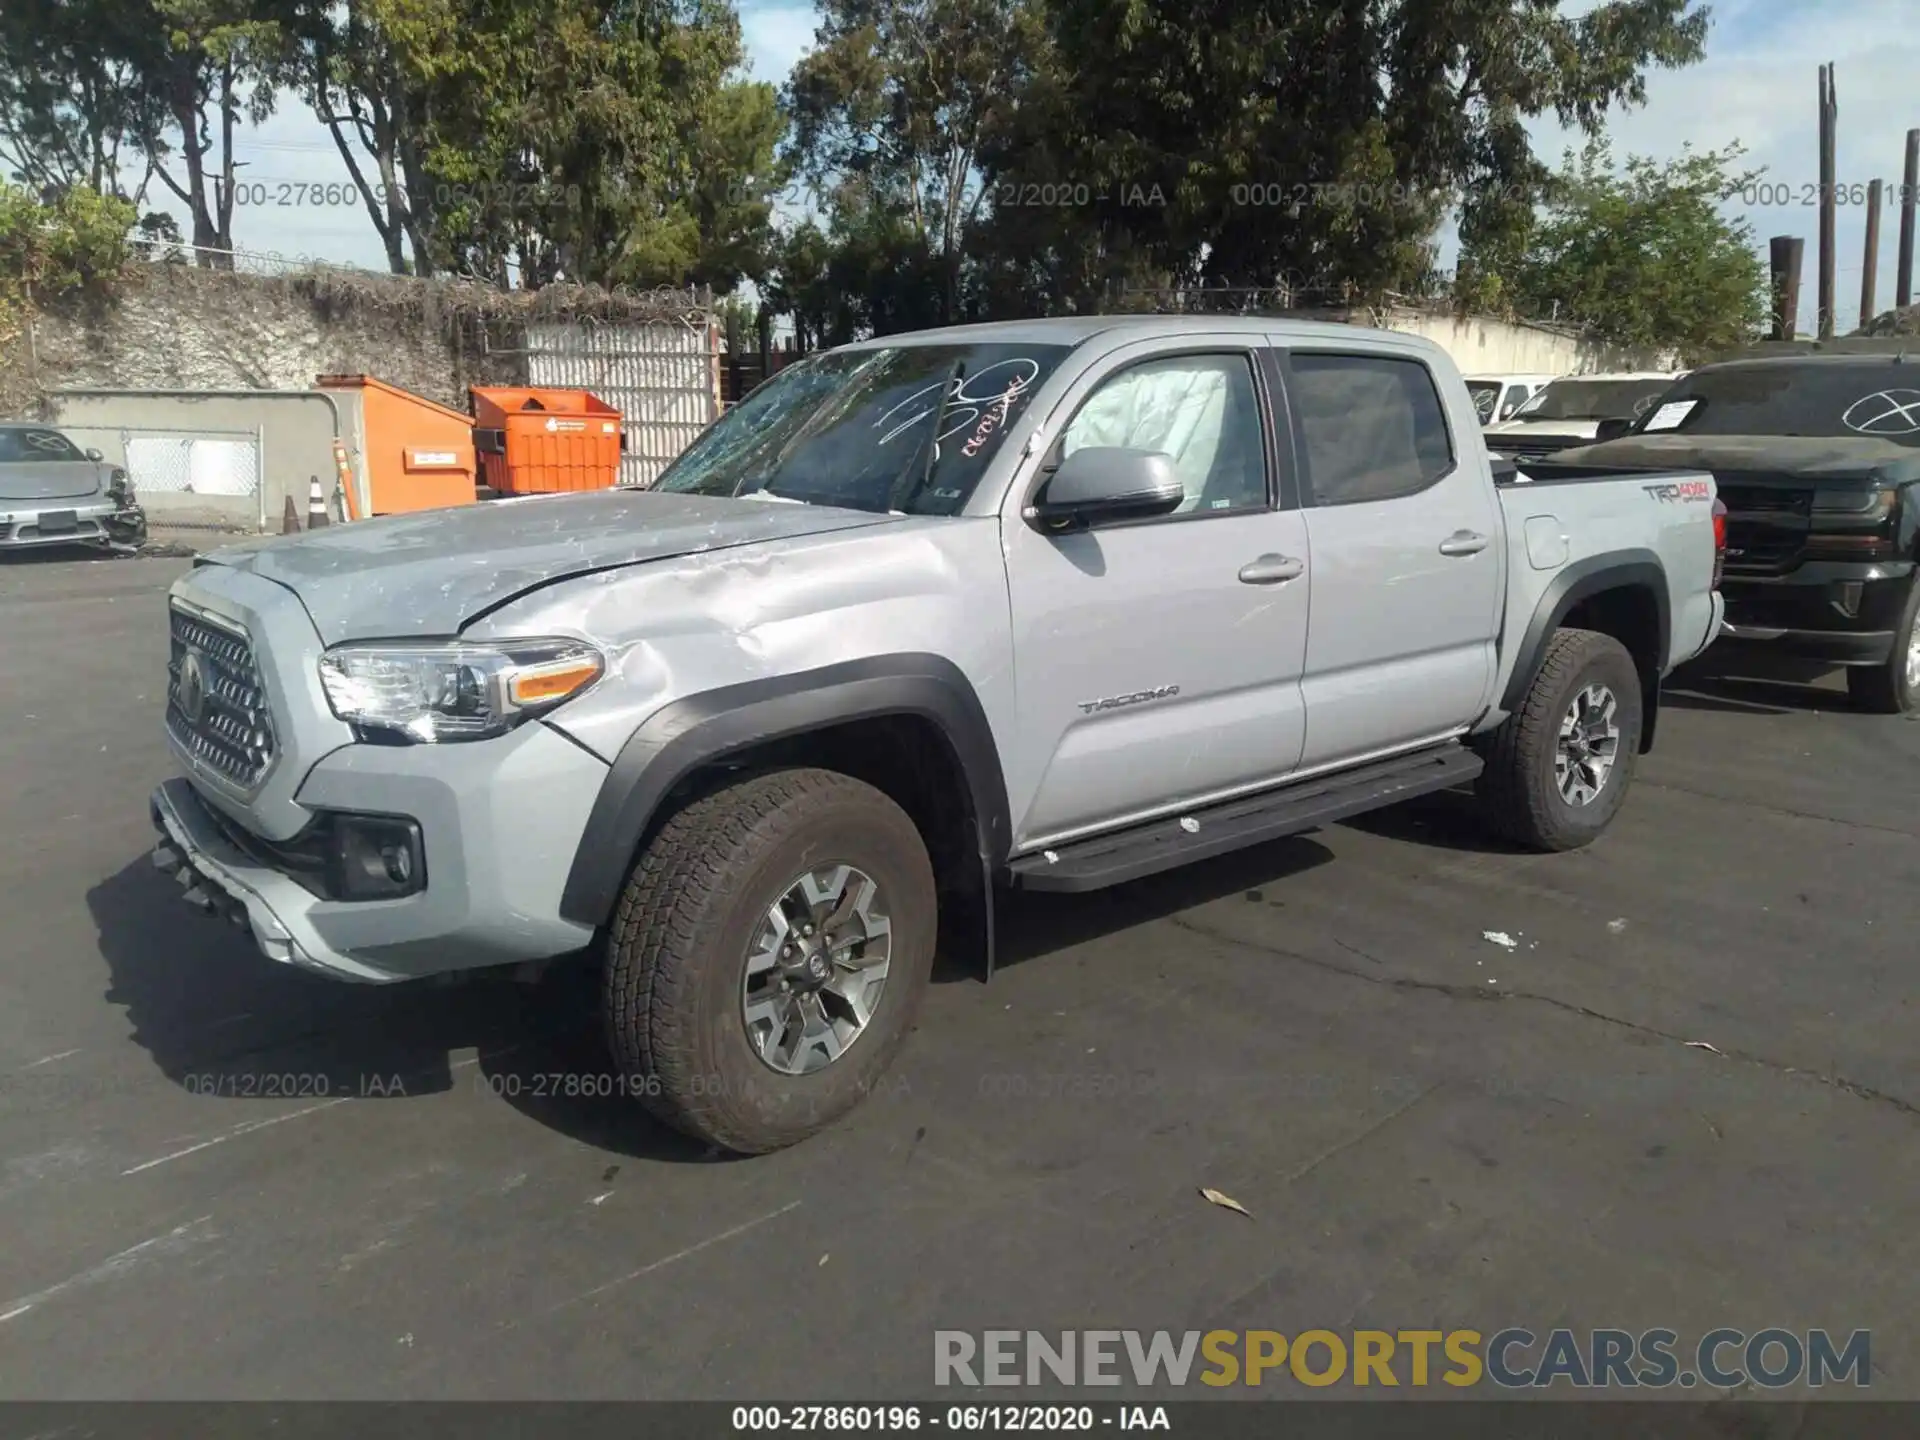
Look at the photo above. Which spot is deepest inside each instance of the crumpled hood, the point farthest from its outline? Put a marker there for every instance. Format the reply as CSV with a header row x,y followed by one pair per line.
x,y
51,479
1810,456
430,573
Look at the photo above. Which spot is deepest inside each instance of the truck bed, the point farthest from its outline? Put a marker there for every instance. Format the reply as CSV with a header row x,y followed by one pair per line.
x,y
1570,526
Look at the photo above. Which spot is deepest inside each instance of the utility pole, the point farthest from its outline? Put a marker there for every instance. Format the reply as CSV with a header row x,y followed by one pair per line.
x,y
1786,253
1829,115
1870,269
1909,184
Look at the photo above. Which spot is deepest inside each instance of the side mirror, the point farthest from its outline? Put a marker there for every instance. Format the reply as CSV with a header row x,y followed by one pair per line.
x,y
1107,482
95,455
1612,428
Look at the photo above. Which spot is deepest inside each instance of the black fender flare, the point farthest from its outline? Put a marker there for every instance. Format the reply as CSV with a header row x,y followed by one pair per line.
x,y
1613,570
696,730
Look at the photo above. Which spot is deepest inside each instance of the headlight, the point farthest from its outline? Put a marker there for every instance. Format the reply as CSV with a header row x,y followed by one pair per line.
x,y
456,691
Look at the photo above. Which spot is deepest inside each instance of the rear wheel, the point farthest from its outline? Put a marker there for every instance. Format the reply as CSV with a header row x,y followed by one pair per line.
x,y
1893,686
768,956
1558,767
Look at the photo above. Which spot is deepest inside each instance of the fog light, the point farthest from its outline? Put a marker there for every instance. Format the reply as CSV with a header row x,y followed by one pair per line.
x,y
376,857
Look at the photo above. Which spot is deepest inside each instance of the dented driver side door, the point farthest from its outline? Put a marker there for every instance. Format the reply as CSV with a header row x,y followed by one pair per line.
x,y
1159,660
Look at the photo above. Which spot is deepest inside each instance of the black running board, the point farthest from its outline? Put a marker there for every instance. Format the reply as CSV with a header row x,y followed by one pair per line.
x,y
1114,859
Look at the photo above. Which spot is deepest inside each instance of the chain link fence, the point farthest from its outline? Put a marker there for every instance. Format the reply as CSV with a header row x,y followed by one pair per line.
x,y
190,480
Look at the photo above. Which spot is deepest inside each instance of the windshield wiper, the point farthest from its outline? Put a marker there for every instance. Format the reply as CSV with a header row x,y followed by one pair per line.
x,y
931,455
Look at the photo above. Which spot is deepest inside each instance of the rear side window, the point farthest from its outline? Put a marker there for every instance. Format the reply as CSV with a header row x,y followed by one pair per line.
x,y
1372,426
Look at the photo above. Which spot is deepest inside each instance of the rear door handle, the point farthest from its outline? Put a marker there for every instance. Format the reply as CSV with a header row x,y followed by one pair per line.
x,y
1272,570
1463,542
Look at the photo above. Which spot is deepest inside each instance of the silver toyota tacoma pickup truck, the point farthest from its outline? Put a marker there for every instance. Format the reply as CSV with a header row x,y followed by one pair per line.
x,y
1052,604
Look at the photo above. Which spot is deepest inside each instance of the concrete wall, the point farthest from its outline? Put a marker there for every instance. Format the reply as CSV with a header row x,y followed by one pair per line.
x,y
172,328
1480,345
294,429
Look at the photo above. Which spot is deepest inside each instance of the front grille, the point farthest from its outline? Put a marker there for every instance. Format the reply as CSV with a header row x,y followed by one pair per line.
x,y
1766,527
216,704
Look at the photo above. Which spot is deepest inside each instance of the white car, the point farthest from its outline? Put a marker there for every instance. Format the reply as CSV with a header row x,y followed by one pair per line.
x,y
1496,397
1569,411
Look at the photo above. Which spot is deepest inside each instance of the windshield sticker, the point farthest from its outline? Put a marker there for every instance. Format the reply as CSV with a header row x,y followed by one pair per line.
x,y
995,385
1885,412
1670,415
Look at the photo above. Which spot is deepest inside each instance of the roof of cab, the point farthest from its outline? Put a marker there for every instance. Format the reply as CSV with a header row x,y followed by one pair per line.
x,y
1077,329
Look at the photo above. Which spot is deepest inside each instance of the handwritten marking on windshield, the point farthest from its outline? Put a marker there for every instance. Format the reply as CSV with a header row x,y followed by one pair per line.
x,y
995,417
964,407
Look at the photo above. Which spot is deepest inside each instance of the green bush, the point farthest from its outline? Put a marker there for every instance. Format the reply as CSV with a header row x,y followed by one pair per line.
x,y
51,251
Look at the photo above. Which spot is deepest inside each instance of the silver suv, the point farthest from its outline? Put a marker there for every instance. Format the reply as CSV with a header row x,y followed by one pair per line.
x,y
1053,604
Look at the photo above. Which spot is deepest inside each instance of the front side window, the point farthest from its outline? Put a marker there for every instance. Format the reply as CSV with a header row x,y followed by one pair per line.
x,y
1516,396
1201,411
1372,426
855,428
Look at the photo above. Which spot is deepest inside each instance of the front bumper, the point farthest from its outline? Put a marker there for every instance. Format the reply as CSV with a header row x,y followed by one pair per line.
x,y
1837,613
218,878
499,822
95,522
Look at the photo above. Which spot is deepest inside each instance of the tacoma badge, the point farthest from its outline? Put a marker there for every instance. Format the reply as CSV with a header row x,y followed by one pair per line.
x,y
1139,697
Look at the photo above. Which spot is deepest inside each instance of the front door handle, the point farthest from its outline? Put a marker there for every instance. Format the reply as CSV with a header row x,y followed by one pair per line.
x,y
1463,542
1272,570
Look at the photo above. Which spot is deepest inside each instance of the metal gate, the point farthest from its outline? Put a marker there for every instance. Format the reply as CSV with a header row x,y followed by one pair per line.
x,y
662,376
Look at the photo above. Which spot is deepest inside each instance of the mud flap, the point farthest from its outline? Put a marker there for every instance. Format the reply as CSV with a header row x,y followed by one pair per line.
x,y
986,914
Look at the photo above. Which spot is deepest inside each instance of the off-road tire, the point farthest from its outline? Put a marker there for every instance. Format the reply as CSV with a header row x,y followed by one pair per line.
x,y
1883,689
1517,790
677,945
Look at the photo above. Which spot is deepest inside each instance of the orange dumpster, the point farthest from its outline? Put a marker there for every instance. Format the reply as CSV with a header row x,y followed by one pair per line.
x,y
415,454
536,442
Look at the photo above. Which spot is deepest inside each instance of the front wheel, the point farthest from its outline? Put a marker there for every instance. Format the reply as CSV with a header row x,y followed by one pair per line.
x,y
1558,767
768,957
1893,686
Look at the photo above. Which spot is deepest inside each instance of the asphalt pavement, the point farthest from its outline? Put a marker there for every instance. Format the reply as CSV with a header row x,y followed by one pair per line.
x,y
1679,1087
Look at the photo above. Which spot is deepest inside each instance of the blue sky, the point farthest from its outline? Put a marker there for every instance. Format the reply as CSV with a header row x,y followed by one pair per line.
x,y
1757,84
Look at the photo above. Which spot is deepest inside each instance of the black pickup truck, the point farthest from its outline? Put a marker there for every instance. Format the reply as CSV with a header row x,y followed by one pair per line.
x,y
1817,456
